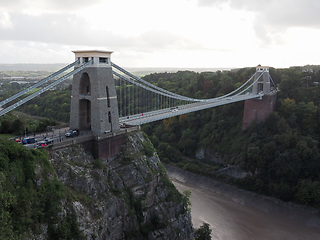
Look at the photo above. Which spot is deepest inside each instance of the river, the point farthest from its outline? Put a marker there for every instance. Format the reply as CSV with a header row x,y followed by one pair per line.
x,y
234,214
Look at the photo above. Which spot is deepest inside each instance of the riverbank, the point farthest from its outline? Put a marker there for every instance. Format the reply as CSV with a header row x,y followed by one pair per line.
x,y
238,214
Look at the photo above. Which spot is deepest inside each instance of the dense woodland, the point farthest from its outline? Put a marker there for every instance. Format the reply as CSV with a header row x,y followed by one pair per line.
x,y
281,155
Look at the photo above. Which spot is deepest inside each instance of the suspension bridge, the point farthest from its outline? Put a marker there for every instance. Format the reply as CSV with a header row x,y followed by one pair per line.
x,y
106,96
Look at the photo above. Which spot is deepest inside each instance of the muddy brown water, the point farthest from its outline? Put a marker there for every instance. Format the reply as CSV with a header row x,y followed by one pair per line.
x,y
234,214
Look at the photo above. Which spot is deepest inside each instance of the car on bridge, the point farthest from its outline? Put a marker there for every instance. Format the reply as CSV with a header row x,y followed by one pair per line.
x,y
48,141
174,109
72,133
42,144
29,140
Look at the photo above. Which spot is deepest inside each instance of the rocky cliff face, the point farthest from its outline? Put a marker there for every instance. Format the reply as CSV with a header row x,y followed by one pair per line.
x,y
213,156
128,197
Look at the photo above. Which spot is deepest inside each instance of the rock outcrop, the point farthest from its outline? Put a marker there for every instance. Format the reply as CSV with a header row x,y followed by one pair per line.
x,y
230,170
128,197
210,155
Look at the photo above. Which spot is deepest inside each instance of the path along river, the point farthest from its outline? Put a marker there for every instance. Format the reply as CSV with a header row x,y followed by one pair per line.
x,y
234,214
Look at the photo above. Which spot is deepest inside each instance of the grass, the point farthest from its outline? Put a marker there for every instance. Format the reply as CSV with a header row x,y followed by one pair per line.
x,y
7,136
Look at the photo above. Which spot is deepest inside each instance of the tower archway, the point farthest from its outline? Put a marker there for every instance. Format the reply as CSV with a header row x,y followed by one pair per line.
x,y
84,114
84,87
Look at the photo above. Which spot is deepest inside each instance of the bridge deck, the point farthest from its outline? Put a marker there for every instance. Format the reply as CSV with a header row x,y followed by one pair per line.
x,y
188,108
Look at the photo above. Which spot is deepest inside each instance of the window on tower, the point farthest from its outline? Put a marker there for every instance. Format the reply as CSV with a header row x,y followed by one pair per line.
x,y
109,117
108,97
103,60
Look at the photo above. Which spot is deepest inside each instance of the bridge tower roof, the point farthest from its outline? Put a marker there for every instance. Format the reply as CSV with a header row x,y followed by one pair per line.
x,y
92,53
262,68
100,58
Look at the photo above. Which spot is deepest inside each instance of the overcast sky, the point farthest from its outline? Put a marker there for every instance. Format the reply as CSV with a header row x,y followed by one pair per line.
x,y
163,33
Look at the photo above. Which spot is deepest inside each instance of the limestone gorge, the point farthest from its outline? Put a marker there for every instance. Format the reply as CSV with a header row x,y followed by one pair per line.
x,y
128,197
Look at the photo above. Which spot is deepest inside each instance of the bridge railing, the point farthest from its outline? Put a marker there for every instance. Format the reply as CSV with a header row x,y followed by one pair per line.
x,y
130,105
80,139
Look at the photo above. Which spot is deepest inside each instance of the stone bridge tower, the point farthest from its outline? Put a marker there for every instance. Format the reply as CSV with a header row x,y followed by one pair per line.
x,y
257,110
94,103
263,84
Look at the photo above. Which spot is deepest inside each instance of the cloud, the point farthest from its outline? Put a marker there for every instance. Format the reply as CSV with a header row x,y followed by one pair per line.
x,y
274,16
71,29
54,28
47,5
5,21
286,13
160,40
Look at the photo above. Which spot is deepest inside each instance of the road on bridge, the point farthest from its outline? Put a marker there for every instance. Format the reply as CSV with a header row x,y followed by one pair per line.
x,y
153,116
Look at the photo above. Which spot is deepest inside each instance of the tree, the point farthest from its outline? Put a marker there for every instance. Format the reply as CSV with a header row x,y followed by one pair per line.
x,y
6,202
281,153
203,232
17,126
226,84
288,106
5,126
309,193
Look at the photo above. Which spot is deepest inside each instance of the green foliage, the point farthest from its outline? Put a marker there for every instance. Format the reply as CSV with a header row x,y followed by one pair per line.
x,y
308,193
6,200
187,195
126,159
28,199
67,229
14,125
173,194
52,104
137,229
148,147
97,163
279,154
203,232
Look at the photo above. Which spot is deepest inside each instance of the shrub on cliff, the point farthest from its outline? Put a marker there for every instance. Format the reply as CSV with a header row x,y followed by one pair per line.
x,y
31,195
203,232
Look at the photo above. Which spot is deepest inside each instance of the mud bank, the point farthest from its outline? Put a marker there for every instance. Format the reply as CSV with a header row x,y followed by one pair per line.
x,y
237,214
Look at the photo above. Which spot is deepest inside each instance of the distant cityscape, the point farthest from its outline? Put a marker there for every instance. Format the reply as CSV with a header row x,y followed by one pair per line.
x,y
56,66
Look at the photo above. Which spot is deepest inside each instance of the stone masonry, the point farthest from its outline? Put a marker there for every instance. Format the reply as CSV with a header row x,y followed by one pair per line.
x,y
93,100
